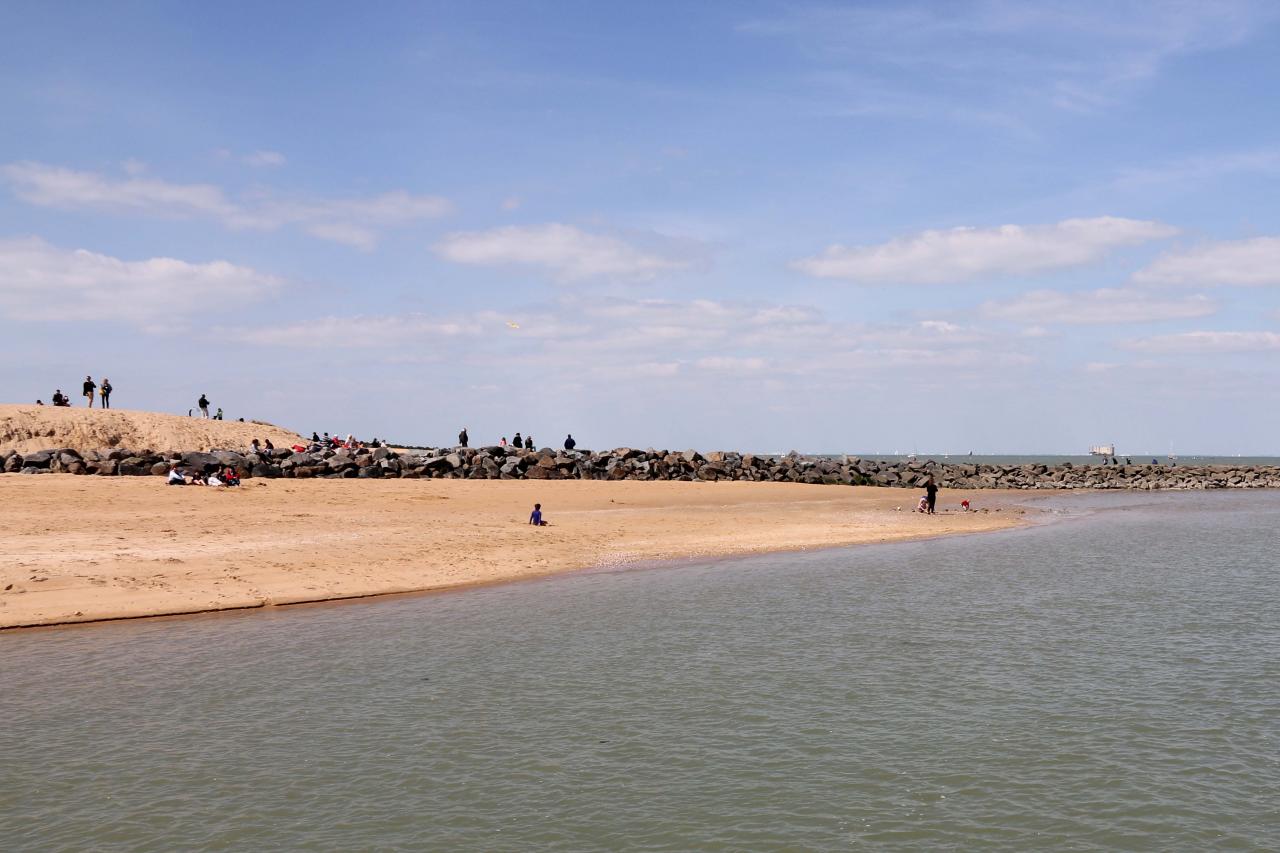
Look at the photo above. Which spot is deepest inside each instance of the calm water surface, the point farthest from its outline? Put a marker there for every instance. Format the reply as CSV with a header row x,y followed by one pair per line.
x,y
1108,682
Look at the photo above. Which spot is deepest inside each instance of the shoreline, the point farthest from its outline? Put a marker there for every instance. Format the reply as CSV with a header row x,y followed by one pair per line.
x,y
152,551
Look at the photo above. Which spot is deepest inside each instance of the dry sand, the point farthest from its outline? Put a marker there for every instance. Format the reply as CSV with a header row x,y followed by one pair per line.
x,y
76,549
29,428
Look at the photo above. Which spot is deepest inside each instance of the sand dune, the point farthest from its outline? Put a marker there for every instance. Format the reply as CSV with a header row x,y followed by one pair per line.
x,y
25,428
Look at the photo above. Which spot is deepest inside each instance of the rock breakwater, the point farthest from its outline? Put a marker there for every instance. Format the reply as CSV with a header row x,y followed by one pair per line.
x,y
494,463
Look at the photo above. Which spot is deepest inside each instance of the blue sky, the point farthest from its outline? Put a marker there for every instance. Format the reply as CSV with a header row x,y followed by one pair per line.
x,y
858,227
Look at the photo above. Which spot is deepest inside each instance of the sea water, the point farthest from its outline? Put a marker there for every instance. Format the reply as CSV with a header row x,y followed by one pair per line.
x,y
1108,682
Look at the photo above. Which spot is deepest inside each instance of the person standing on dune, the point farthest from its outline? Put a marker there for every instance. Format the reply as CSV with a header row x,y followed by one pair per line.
x,y
203,403
105,391
89,389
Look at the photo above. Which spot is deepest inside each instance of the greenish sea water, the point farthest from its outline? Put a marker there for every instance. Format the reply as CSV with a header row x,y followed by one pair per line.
x,y
1107,682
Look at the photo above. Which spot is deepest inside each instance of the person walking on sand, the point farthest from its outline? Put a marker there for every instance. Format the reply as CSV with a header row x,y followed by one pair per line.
x,y
931,493
105,391
203,405
89,388
462,438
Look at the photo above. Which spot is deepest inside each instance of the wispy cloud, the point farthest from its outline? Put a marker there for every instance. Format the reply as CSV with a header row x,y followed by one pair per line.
x,y
352,221
1206,342
1080,57
1250,262
1097,307
593,339
962,254
565,251
356,332
263,159
39,281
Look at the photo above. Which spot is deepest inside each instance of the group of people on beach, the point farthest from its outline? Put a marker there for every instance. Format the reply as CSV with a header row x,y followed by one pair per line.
x,y
89,388
227,477
523,443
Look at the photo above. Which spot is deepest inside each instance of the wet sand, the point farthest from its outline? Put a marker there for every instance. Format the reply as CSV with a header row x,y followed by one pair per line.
x,y
78,549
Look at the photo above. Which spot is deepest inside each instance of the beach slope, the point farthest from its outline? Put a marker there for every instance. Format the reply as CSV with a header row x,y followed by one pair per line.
x,y
86,548
29,428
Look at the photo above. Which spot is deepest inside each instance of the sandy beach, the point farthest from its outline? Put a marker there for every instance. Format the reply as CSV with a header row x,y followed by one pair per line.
x,y
80,549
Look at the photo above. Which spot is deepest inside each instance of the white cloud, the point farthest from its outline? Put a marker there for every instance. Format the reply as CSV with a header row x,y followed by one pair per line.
x,y
960,254
1240,262
564,250
512,203
1097,307
261,159
1207,342
351,221
43,282
356,332
732,364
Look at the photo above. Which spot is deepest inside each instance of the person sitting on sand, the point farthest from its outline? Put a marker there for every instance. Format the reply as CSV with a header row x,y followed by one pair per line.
x,y
212,480
315,439
923,505
230,477
176,477
60,399
39,402
218,416
268,445
535,518
528,443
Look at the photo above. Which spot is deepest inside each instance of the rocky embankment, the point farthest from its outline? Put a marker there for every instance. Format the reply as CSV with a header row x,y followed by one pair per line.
x,y
493,463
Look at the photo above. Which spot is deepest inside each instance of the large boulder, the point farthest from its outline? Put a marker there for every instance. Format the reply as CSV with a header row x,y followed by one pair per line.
x,y
204,463
37,459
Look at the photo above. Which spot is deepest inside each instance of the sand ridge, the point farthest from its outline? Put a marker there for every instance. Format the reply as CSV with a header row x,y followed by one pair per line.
x,y
87,548
29,428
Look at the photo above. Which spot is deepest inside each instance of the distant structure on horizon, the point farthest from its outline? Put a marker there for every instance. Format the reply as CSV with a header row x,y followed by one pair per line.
x,y
1102,450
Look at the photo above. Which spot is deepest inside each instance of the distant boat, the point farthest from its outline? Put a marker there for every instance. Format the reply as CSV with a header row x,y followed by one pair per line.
x,y
1103,450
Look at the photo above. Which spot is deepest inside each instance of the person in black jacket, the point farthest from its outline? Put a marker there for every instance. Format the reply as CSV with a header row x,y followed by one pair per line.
x,y
569,443
518,442
462,438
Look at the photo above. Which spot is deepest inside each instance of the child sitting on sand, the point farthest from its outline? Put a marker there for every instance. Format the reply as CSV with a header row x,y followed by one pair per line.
x,y
230,477
923,506
535,518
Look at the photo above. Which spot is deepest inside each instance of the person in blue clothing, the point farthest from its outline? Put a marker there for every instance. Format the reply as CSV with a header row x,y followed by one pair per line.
x,y
535,518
